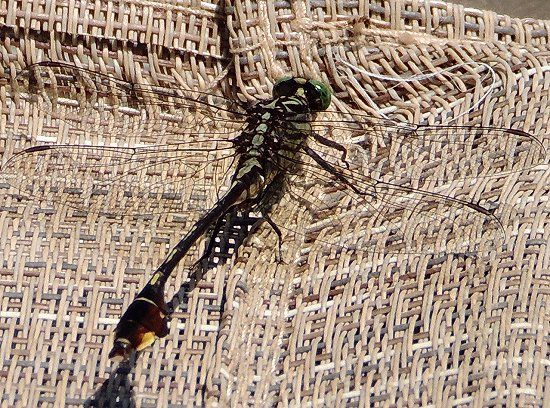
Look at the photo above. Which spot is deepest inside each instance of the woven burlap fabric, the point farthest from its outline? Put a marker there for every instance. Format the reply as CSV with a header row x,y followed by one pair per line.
x,y
342,328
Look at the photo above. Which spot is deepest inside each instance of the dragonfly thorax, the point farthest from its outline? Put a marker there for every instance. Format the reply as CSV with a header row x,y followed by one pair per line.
x,y
276,131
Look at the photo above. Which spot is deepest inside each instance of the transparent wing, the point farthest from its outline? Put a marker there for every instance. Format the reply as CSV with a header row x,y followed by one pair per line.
x,y
382,217
407,188
104,145
403,188
430,156
78,106
117,181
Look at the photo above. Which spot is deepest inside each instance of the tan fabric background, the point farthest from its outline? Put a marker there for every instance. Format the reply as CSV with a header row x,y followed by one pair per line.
x,y
343,329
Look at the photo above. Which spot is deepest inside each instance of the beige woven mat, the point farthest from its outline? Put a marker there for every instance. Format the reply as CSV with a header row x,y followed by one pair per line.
x,y
343,329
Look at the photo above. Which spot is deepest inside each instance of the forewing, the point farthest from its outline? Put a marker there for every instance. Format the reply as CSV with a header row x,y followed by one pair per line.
x,y
72,105
104,145
430,156
407,189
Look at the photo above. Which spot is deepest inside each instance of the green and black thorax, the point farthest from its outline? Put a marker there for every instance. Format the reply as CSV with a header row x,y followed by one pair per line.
x,y
277,130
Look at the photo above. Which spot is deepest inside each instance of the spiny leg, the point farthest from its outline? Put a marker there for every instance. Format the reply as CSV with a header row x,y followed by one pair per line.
x,y
279,256
271,195
335,145
331,170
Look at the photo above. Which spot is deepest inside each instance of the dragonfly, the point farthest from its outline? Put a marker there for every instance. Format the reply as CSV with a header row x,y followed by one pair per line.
x,y
133,149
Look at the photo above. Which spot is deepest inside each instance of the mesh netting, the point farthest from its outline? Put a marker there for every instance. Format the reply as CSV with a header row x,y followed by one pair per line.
x,y
331,325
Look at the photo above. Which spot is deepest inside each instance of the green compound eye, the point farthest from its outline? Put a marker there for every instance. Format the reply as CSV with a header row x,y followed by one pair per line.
x,y
318,94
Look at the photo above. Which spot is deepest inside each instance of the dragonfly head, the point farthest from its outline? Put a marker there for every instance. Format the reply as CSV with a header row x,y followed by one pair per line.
x,y
316,93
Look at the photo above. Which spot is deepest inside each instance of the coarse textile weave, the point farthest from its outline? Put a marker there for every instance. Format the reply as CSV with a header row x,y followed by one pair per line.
x,y
344,328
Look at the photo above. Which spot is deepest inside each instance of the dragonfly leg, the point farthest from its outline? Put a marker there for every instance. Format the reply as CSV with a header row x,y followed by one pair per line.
x,y
331,143
339,176
272,224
